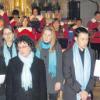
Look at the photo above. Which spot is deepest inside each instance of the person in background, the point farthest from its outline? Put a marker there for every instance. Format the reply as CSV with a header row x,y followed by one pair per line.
x,y
50,51
3,15
26,29
26,77
37,21
94,28
7,51
54,5
61,33
94,24
15,23
56,27
1,24
1,30
78,23
77,69
8,48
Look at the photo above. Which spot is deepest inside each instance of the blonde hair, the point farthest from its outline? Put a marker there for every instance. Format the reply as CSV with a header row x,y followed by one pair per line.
x,y
53,38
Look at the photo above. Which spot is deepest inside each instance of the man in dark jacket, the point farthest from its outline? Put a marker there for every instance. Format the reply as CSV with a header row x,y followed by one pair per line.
x,y
78,67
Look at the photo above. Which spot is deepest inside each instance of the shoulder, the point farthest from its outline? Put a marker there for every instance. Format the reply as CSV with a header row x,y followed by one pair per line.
x,y
91,50
14,59
92,53
14,62
68,52
38,60
67,55
39,63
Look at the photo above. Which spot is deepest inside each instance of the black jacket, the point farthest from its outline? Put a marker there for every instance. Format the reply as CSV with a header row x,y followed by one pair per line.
x,y
72,86
2,71
14,91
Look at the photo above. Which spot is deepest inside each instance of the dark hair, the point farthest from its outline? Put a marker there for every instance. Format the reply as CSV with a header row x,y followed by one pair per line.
x,y
79,19
37,8
1,7
26,39
97,12
15,12
33,5
25,17
81,30
56,19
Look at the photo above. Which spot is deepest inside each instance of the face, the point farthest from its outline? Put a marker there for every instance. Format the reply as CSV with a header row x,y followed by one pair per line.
x,y
56,24
8,35
47,36
24,49
98,17
57,14
35,12
25,22
82,40
78,22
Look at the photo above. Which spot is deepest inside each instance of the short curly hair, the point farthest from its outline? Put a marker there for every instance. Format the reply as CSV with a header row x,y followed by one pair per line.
x,y
26,39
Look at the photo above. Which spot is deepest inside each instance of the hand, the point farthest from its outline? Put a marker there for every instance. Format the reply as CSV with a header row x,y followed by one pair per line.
x,y
57,86
84,95
31,17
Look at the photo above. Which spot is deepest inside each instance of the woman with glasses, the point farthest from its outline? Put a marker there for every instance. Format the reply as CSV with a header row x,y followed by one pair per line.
x,y
26,78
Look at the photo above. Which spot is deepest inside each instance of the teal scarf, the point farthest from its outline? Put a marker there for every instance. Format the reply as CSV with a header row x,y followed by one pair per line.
x,y
52,58
6,53
82,73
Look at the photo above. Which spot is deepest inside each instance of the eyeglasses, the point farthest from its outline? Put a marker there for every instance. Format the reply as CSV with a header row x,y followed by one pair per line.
x,y
23,47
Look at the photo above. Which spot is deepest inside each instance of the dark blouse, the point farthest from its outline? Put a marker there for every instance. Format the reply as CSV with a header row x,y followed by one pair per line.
x,y
82,56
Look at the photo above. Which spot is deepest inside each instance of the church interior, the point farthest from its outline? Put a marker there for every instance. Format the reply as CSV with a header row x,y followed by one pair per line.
x,y
74,9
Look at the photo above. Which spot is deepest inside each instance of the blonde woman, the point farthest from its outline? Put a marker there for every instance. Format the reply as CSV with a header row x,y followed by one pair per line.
x,y
49,50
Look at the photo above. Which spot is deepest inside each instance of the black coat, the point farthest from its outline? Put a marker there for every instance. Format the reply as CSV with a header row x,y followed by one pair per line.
x,y
72,86
3,68
2,71
14,91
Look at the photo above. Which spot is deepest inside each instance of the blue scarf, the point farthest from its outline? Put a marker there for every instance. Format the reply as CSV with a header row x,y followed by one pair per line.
x,y
26,76
52,58
6,53
82,73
